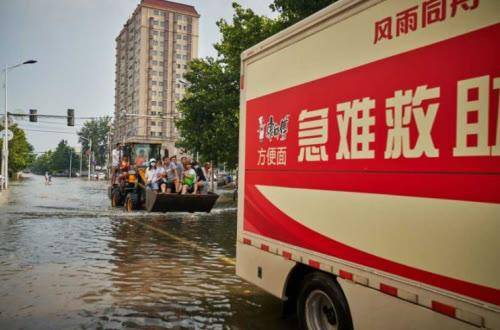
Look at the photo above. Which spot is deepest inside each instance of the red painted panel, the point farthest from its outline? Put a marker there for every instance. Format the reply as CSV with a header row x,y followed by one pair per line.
x,y
443,308
439,65
314,263
345,275
390,290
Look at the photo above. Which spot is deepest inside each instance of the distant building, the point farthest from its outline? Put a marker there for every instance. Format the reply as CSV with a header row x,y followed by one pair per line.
x,y
152,53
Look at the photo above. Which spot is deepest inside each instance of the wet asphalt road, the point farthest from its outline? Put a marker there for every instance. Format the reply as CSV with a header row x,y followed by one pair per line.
x,y
67,260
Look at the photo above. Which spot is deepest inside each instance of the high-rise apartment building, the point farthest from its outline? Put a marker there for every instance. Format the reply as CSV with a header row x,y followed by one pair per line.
x,y
152,53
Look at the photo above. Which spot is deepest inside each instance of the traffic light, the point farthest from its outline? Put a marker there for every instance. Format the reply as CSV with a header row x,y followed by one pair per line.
x,y
33,115
71,117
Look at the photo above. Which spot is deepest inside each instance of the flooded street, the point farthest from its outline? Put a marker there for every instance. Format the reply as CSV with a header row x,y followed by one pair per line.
x,y
67,260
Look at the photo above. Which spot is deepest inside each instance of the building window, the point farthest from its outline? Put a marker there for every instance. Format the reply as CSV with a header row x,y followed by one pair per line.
x,y
153,82
155,62
162,23
184,57
185,67
157,12
179,36
178,46
153,103
155,32
178,56
178,66
160,63
185,38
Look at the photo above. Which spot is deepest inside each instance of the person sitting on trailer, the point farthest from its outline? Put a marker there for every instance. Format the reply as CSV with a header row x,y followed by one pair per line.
x,y
168,174
180,170
201,180
207,172
189,180
152,179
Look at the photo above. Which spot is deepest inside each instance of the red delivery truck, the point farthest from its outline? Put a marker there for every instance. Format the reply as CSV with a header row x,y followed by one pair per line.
x,y
369,186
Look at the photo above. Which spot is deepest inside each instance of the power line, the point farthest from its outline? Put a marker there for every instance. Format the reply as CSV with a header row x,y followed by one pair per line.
x,y
39,130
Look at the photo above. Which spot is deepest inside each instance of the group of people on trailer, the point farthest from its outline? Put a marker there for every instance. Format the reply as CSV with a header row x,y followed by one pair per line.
x,y
167,175
172,176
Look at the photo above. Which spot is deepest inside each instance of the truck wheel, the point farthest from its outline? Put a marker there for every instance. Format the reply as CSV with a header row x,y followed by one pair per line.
x,y
116,198
321,304
131,202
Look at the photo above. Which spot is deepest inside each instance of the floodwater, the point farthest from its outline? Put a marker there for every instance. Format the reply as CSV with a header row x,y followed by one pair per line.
x,y
67,260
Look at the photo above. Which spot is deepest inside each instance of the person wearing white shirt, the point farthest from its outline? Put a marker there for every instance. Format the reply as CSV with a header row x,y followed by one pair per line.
x,y
152,179
116,156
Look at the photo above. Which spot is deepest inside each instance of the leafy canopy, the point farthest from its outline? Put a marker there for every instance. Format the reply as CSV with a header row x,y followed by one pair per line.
x,y
20,151
57,161
96,130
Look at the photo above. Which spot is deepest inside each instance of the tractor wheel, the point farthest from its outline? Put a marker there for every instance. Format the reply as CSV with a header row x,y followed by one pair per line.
x,y
116,198
131,202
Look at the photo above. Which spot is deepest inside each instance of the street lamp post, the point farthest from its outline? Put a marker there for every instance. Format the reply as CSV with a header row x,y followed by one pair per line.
x,y
70,156
5,153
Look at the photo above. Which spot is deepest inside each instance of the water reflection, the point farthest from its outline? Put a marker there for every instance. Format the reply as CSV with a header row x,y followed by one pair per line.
x,y
67,260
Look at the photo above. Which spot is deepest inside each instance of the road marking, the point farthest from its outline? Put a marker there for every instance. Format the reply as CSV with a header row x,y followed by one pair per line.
x,y
229,261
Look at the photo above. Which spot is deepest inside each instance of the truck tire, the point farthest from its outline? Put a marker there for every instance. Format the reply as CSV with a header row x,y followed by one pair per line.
x,y
116,198
321,304
131,202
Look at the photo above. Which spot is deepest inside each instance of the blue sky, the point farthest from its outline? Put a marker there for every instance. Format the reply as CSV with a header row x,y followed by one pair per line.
x,y
73,40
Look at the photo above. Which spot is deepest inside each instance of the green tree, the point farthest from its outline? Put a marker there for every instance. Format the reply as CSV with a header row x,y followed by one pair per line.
x,y
57,161
61,157
209,122
97,130
292,11
210,108
43,163
20,151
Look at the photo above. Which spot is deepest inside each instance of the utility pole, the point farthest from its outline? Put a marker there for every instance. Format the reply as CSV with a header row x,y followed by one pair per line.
x,y
5,153
70,156
90,156
109,155
81,158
